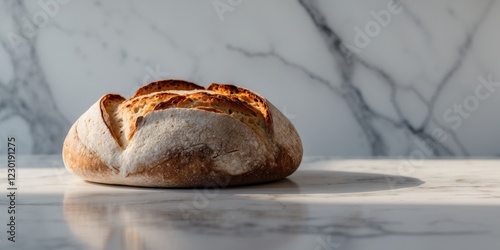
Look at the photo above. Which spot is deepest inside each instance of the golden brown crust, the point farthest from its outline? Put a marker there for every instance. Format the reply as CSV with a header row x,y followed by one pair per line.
x,y
210,109
223,136
228,105
132,109
203,172
109,103
165,85
208,100
174,172
81,161
246,96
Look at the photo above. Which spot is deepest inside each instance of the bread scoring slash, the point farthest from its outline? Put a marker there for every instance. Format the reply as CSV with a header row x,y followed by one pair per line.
x,y
174,133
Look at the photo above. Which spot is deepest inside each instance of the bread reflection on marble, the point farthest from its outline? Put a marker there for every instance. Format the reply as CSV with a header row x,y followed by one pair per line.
x,y
149,219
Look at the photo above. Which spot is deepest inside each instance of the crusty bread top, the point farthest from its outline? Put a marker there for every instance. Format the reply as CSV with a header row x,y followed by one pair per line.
x,y
164,85
175,133
244,95
123,116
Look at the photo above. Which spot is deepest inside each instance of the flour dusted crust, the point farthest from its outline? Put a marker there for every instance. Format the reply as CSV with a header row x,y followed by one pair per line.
x,y
174,133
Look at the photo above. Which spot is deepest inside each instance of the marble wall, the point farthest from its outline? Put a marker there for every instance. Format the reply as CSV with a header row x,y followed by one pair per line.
x,y
357,78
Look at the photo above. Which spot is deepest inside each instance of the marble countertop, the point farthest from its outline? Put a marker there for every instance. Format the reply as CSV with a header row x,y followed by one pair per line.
x,y
326,204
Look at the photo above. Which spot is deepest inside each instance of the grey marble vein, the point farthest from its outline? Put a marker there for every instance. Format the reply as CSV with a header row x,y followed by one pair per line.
x,y
360,109
28,95
386,100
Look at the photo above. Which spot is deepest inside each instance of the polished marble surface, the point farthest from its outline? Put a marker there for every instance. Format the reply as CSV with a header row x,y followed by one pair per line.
x,y
326,204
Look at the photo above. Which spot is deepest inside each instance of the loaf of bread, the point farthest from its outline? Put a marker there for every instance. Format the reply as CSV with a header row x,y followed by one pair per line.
x,y
174,133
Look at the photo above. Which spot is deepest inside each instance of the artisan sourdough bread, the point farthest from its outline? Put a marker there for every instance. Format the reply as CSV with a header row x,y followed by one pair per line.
x,y
174,133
